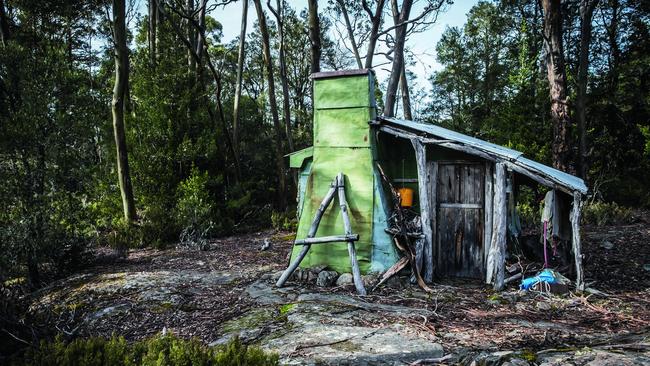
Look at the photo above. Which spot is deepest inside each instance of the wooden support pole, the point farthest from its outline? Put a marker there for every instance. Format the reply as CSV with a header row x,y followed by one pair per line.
x,y
356,272
425,254
489,210
495,273
327,239
575,228
312,232
433,191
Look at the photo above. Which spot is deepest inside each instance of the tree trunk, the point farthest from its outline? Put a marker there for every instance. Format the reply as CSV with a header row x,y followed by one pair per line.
x,y
119,95
614,49
240,69
404,90
348,26
215,76
556,74
191,64
314,35
153,29
268,64
4,24
286,107
200,44
374,30
586,12
398,56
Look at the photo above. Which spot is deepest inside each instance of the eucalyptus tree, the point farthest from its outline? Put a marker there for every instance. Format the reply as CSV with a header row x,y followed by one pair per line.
x,y
121,57
314,35
268,68
587,8
241,55
556,74
279,12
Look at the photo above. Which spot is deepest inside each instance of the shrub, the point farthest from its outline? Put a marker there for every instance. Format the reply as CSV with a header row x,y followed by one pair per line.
x,y
123,236
159,228
194,210
167,350
286,221
603,213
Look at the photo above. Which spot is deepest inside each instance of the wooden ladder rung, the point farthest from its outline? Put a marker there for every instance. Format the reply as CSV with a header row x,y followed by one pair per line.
x,y
328,239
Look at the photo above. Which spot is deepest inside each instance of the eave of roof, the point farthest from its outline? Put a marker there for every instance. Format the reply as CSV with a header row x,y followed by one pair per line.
x,y
544,174
297,158
339,73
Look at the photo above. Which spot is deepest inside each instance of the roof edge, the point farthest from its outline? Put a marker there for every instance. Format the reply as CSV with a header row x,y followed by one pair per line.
x,y
340,73
527,166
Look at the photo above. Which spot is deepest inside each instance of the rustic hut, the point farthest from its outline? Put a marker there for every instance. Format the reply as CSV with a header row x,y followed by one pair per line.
x,y
464,188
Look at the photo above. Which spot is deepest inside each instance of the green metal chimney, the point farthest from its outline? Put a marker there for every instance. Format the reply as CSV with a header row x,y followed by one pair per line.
x,y
344,103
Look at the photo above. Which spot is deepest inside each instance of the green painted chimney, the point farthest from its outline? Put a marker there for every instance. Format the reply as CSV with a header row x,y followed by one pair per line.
x,y
343,106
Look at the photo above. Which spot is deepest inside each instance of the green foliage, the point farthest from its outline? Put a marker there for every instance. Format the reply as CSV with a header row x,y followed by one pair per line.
x,y
194,210
163,350
286,221
528,208
604,213
123,236
493,85
46,144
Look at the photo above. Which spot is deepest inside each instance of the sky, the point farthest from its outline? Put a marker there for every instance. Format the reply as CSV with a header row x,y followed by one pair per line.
x,y
422,44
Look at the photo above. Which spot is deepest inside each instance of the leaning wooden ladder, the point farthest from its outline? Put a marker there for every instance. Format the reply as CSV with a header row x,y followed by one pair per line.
x,y
338,184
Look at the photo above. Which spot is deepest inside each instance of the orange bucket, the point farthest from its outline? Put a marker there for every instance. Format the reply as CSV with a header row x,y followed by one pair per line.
x,y
406,197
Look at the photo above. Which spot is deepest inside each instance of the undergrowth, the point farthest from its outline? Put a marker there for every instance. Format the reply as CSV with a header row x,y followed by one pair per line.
x,y
163,350
604,213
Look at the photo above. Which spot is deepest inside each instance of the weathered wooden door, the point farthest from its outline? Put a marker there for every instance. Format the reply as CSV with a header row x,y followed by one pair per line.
x,y
459,238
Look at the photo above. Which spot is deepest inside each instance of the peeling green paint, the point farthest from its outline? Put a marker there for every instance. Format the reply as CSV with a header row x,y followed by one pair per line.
x,y
342,108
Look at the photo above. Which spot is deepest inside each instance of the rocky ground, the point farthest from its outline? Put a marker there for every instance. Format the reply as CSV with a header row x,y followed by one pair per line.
x,y
229,291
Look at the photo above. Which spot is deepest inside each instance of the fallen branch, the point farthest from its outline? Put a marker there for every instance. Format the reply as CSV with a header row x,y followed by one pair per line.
x,y
630,346
424,361
392,271
512,278
16,337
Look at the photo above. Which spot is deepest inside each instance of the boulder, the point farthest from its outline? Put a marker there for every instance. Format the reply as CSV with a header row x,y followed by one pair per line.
x,y
345,280
326,278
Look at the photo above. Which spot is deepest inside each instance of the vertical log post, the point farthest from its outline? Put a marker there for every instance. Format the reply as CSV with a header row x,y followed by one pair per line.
x,y
575,228
312,232
495,273
356,272
426,254
433,210
489,210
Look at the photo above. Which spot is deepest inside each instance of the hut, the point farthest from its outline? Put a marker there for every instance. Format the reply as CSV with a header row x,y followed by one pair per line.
x,y
464,190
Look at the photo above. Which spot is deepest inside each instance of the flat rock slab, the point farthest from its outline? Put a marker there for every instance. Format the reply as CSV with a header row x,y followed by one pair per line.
x,y
595,357
340,345
156,287
324,329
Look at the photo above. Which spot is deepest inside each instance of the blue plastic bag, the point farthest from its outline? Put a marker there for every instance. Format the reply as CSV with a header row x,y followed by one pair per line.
x,y
543,276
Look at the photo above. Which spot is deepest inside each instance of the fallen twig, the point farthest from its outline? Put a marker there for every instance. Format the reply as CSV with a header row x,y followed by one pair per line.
x,y
424,361
392,271
16,337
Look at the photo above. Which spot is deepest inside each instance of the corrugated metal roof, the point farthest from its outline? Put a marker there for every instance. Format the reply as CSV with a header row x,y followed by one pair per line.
x,y
568,181
455,136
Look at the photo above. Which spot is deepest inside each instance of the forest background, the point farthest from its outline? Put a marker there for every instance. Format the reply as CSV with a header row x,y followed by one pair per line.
x,y
201,126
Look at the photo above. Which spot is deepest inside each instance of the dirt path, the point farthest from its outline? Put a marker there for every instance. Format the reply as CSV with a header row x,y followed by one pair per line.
x,y
228,290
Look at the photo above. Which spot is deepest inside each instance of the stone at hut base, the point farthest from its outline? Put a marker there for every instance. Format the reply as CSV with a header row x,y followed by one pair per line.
x,y
326,278
345,279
